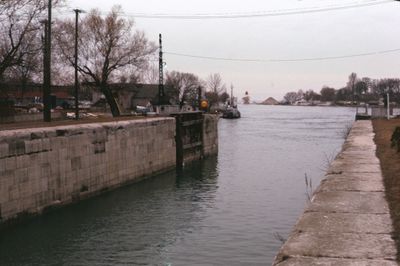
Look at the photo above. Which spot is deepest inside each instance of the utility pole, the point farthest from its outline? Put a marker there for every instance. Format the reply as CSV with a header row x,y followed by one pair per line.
x,y
47,68
388,106
77,11
199,94
161,94
232,95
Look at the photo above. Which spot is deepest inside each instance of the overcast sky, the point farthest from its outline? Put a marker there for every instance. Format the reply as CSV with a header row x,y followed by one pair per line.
x,y
307,35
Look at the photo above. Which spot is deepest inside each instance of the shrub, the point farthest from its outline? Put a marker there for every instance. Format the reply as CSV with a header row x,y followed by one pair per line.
x,y
396,139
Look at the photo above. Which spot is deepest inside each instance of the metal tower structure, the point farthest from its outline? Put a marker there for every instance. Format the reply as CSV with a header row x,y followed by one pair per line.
x,y
161,93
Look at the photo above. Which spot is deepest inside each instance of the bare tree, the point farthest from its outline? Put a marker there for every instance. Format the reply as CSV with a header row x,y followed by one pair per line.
x,y
352,83
19,21
361,87
29,66
215,88
291,97
310,95
185,86
388,85
107,45
149,74
215,83
328,94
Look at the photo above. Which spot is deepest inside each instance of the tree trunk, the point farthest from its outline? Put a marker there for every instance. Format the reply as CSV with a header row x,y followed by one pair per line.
x,y
110,100
23,88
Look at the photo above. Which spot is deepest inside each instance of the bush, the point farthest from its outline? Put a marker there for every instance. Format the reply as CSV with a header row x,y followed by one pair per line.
x,y
6,107
396,139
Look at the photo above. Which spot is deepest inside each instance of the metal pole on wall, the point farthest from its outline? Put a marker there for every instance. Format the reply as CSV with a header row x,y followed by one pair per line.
x,y
388,106
199,97
77,11
47,69
161,94
46,92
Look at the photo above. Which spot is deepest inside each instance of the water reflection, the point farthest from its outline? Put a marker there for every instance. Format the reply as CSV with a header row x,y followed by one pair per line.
x,y
133,225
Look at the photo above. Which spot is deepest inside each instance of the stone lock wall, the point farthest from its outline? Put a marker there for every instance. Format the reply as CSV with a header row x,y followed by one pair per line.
x,y
50,166
210,135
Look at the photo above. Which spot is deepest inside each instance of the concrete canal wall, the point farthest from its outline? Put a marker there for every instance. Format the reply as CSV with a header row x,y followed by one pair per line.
x,y
347,221
44,167
210,135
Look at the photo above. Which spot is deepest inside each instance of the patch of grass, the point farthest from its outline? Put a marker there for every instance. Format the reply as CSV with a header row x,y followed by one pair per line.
x,y
279,237
346,130
328,159
390,164
309,187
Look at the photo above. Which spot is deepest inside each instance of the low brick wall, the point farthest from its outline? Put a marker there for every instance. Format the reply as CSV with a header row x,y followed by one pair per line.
x,y
50,166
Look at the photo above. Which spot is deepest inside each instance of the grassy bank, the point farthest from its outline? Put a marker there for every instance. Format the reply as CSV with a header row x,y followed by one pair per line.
x,y
390,164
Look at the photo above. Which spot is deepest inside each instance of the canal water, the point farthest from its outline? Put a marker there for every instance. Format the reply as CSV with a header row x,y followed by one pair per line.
x,y
228,210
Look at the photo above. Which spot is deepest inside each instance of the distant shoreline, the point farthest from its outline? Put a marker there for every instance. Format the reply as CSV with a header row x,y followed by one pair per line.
x,y
322,105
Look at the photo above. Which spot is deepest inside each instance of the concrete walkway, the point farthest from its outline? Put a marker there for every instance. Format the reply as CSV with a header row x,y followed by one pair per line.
x,y
348,221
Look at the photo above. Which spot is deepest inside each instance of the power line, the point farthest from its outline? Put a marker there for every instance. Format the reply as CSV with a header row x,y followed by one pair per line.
x,y
282,12
284,60
268,13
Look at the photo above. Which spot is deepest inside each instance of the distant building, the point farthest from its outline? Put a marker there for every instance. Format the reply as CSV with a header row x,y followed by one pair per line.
x,y
246,98
302,102
128,95
33,93
131,95
270,101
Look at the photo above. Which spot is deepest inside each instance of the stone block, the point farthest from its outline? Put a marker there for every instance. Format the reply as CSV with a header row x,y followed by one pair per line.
x,y
345,223
21,175
22,161
11,163
3,150
83,174
2,165
45,170
46,144
13,193
6,180
63,154
10,209
84,162
16,147
331,245
76,163
345,202
346,184
37,147
94,172
301,261
34,186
